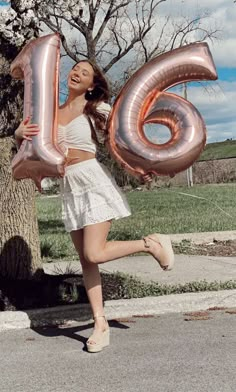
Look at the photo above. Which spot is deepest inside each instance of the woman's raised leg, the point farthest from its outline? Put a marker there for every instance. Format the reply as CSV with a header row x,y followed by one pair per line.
x,y
98,250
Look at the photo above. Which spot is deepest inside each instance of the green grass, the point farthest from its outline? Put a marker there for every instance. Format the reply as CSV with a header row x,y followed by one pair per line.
x,y
120,286
163,210
226,149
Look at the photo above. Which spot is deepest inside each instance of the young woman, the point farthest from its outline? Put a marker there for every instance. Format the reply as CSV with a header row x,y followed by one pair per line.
x,y
91,198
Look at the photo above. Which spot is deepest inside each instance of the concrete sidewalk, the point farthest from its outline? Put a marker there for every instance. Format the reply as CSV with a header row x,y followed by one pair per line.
x,y
204,237
187,269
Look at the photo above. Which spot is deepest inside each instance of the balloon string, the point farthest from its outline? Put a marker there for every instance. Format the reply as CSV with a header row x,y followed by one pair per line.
x,y
203,198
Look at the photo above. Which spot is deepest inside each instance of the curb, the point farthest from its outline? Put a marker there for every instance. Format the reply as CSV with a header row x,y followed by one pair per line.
x,y
174,303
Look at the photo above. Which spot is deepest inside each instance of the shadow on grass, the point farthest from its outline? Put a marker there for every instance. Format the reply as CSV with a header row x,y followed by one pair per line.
x,y
16,269
16,260
63,289
49,291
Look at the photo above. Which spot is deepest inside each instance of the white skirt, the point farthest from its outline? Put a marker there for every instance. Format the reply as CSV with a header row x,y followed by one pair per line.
x,y
90,195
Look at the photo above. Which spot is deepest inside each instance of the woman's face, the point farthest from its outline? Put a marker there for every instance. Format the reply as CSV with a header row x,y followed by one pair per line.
x,y
80,78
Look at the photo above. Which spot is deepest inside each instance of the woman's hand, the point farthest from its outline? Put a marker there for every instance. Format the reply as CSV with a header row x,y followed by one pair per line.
x,y
26,130
147,178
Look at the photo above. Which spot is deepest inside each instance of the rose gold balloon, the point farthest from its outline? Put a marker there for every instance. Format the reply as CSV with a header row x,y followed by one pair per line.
x,y
143,100
38,65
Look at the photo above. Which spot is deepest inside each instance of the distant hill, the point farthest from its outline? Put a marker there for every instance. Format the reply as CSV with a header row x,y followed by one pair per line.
x,y
226,149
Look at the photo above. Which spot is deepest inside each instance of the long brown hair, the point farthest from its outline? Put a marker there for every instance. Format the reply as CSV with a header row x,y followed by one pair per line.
x,y
100,93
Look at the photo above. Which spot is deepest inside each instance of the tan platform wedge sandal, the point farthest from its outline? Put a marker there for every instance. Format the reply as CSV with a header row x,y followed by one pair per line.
x,y
99,339
165,256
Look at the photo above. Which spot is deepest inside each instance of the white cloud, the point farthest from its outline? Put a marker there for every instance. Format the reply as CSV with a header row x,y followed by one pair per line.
x,y
221,15
217,106
224,53
217,109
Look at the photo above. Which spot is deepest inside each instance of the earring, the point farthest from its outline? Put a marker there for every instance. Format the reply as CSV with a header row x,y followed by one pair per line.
x,y
90,92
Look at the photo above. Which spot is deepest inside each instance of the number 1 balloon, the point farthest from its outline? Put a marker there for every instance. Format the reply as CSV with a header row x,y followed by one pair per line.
x,y
38,65
144,100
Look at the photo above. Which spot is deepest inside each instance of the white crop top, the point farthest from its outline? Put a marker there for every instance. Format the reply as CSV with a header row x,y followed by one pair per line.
x,y
77,133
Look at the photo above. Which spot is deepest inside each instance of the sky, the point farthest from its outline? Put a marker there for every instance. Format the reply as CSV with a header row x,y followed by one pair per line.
x,y
217,104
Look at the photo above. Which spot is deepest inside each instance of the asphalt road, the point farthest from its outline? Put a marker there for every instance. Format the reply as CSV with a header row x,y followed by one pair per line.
x,y
155,354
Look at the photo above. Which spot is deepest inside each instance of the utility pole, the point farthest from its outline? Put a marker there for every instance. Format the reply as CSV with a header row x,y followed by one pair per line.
x,y
189,171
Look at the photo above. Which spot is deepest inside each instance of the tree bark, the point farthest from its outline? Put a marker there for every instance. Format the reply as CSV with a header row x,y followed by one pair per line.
x,y
19,236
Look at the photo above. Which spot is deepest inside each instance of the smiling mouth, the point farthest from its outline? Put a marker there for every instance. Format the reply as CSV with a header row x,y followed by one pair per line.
x,y
75,80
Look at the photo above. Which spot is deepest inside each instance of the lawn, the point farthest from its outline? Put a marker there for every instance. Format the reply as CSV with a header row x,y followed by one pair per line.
x,y
164,210
226,149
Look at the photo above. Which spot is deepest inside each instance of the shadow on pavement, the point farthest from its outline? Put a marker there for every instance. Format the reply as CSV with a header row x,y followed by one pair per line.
x,y
74,331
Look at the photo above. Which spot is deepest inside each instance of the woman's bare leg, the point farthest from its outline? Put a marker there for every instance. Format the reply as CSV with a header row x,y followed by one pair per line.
x,y
98,250
92,280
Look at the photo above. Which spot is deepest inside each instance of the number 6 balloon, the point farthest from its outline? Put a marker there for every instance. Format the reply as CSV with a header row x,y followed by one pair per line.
x,y
38,65
144,100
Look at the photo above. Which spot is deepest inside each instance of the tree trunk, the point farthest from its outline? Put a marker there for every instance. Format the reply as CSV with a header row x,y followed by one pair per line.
x,y
19,236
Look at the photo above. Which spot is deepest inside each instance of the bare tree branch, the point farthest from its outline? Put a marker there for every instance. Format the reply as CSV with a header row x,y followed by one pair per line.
x,y
104,23
113,29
